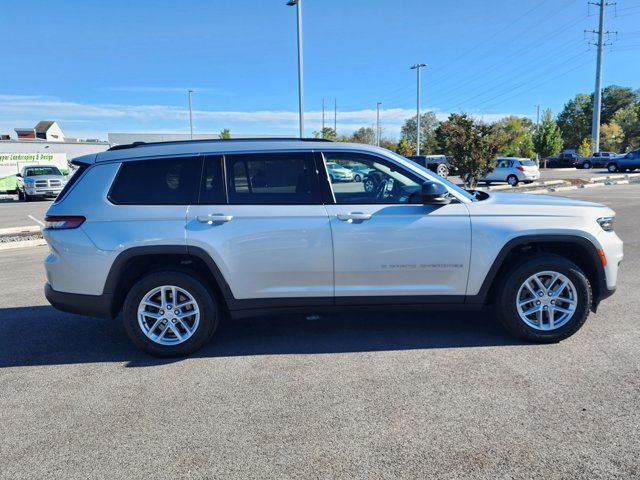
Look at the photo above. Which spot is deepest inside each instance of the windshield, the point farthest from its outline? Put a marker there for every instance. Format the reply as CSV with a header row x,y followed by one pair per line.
x,y
425,172
34,171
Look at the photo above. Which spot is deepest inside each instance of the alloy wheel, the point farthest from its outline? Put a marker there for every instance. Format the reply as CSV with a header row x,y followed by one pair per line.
x,y
546,300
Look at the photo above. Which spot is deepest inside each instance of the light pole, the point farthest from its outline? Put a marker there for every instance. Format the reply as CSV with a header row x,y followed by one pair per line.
x,y
417,67
378,123
298,5
189,92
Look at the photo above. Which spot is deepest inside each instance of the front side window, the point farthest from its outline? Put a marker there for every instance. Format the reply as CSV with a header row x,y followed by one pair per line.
x,y
271,179
167,181
378,181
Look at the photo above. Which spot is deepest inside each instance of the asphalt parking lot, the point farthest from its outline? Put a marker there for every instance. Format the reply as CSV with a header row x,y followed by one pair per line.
x,y
354,396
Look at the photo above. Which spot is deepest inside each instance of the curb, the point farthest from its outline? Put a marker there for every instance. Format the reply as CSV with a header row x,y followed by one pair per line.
x,y
18,230
23,244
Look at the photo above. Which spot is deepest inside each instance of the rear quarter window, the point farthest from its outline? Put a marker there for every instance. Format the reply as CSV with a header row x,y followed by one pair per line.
x,y
167,181
71,182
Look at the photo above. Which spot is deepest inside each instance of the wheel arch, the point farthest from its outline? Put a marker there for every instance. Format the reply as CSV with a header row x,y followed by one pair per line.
x,y
579,250
133,263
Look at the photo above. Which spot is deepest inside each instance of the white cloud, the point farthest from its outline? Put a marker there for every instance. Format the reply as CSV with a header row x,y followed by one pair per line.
x,y
80,119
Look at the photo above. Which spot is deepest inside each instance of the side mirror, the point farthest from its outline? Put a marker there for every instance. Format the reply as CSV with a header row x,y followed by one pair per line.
x,y
435,194
19,175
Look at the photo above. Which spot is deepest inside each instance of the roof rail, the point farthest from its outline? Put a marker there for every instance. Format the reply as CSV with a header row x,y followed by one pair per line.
x,y
218,140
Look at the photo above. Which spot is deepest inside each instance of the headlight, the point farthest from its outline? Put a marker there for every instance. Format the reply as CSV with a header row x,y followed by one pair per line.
x,y
606,223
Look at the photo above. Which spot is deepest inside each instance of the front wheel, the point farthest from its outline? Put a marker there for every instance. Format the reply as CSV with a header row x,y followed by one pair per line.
x,y
357,178
368,185
170,314
442,170
544,299
512,180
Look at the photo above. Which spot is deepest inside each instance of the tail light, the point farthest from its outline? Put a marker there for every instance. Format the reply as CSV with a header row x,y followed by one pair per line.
x,y
520,167
63,222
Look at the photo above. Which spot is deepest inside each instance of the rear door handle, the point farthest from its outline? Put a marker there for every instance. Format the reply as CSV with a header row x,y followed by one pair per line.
x,y
351,216
214,218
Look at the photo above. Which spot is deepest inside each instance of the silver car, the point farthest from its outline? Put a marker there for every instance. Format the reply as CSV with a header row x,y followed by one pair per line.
x,y
40,181
513,170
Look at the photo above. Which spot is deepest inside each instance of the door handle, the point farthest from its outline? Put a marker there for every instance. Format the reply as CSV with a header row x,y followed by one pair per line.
x,y
214,218
351,216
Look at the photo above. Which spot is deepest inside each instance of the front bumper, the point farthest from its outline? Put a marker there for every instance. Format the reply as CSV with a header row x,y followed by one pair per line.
x,y
42,192
90,305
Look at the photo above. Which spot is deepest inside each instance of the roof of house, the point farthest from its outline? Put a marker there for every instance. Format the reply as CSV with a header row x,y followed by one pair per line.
x,y
43,125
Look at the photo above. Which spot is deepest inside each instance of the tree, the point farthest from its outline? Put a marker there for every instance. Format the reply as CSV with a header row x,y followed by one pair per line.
x,y
364,135
616,98
388,143
327,133
428,125
547,140
629,120
405,148
575,120
611,137
584,150
473,146
518,136
225,134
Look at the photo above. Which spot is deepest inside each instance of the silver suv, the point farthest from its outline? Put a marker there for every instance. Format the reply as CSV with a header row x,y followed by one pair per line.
x,y
174,236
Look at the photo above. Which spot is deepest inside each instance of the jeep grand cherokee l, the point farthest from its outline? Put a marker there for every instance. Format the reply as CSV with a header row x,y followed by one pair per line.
x,y
174,235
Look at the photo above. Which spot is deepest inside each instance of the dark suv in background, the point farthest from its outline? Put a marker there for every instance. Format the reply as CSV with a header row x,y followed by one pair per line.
x,y
436,163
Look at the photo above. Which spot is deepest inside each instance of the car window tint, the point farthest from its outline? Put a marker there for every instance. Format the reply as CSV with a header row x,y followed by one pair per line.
x,y
167,181
212,184
367,179
271,179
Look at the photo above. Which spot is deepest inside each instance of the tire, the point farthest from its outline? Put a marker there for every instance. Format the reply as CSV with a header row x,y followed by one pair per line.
x,y
26,197
369,186
612,168
170,345
586,165
511,287
442,170
357,178
20,196
512,180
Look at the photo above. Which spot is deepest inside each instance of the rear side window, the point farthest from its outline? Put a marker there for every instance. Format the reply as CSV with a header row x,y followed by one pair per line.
x,y
71,182
272,179
167,181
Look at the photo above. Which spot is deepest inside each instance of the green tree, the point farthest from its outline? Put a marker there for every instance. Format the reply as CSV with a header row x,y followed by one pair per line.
x,y
615,98
428,125
388,143
629,120
575,120
225,134
611,137
473,146
364,135
518,136
327,133
405,147
547,139
584,150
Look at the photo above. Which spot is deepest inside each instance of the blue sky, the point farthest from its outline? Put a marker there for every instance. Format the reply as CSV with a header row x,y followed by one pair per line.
x,y
120,66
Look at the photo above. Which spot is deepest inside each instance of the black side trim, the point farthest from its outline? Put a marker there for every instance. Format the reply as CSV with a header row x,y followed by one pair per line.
x,y
91,305
401,300
594,258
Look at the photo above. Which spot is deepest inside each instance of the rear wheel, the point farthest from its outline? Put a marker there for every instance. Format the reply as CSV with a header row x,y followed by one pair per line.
x,y
612,167
586,165
357,178
442,170
512,180
544,299
170,314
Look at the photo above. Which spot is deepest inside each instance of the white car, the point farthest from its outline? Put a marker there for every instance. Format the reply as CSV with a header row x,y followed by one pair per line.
x,y
513,170
338,173
173,236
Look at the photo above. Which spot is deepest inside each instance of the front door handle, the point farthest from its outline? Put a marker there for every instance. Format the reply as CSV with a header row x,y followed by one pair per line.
x,y
354,216
214,218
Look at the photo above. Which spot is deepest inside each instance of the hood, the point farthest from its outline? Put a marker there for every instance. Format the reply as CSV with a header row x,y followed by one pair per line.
x,y
537,200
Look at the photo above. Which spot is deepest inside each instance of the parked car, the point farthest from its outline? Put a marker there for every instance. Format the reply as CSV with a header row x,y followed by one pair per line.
x,y
513,170
564,160
436,163
173,236
359,172
338,173
623,163
39,181
598,159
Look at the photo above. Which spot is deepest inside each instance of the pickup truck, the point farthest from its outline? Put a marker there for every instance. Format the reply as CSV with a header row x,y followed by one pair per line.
x,y
564,160
598,159
436,163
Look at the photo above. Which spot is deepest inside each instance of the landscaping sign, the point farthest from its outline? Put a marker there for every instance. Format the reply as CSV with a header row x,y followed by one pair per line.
x,y
12,163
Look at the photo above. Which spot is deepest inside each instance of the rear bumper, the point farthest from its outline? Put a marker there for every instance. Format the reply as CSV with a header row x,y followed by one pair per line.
x,y
90,305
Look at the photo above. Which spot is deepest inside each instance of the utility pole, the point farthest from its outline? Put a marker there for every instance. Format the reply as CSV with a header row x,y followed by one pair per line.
x,y
597,94
537,130
322,118
335,116
378,123
417,67
189,92
298,5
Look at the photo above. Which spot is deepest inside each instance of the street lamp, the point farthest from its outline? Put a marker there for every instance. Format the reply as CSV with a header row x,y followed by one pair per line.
x,y
298,5
417,67
189,92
